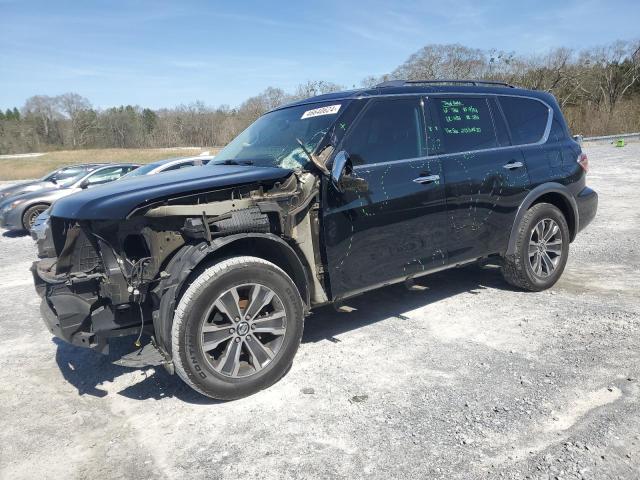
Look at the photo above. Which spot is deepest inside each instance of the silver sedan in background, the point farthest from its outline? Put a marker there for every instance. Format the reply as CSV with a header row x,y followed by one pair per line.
x,y
39,228
19,212
55,179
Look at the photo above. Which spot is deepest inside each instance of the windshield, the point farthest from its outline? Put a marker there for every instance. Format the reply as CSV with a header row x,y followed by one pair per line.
x,y
61,176
272,140
65,182
143,170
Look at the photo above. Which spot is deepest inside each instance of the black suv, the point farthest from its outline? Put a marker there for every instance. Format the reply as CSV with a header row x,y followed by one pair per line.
x,y
315,202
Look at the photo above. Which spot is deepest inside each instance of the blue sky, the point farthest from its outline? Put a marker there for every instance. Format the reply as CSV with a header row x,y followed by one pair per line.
x,y
159,53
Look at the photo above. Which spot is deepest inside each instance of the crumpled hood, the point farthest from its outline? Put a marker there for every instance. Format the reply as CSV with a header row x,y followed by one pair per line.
x,y
115,200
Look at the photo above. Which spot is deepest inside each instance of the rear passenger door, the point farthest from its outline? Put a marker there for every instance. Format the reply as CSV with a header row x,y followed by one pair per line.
x,y
397,227
485,178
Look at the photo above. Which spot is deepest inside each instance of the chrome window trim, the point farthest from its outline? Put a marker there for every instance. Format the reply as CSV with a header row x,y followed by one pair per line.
x,y
364,166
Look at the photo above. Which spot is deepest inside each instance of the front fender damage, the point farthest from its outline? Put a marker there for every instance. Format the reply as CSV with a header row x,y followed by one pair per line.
x,y
146,260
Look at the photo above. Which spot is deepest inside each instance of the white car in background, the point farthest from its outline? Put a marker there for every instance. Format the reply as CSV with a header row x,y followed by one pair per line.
x,y
171,164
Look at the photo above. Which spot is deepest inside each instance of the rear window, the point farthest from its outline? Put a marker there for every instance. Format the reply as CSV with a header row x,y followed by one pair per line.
x,y
465,124
527,119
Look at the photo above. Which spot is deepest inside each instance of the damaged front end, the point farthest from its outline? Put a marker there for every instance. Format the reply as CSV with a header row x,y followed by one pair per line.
x,y
114,278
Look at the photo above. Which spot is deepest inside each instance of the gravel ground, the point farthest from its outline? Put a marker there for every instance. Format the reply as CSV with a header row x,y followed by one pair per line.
x,y
468,379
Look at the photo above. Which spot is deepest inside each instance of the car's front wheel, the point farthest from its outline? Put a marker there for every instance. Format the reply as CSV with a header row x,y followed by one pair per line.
x,y
31,214
237,328
542,249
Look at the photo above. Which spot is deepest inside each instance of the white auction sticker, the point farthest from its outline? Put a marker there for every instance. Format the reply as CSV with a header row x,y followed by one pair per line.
x,y
316,112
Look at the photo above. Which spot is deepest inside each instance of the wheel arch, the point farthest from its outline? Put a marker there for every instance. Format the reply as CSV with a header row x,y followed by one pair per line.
x,y
188,261
554,193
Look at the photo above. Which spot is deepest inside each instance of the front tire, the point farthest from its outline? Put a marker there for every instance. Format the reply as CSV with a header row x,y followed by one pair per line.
x,y
542,249
237,328
31,214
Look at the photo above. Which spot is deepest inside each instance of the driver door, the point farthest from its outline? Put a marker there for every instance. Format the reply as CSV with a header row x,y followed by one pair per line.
x,y
397,227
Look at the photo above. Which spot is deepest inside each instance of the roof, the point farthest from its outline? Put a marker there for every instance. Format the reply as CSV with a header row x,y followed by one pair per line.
x,y
403,87
83,165
118,164
164,161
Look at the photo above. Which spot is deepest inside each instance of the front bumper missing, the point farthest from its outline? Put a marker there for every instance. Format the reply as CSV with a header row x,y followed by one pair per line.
x,y
73,311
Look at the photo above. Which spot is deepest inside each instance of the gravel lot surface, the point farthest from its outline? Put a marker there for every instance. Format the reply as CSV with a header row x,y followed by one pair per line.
x,y
468,379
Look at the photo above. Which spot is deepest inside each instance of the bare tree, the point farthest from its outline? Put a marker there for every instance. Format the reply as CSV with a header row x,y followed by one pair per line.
x,y
311,88
77,110
616,69
43,109
444,62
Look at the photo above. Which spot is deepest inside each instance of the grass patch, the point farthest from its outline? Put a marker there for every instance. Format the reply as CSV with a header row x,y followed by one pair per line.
x,y
36,167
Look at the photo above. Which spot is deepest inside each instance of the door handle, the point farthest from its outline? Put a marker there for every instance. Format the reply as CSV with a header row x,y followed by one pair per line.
x,y
513,165
427,179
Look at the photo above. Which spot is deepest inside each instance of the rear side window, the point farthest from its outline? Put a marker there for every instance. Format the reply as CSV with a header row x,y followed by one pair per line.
x,y
465,124
388,130
527,119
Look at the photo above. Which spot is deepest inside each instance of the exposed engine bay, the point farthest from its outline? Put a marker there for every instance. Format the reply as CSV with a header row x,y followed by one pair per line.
x,y
122,277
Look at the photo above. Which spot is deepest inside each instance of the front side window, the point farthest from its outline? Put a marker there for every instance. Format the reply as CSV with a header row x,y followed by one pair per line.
x,y
527,119
463,124
273,139
388,130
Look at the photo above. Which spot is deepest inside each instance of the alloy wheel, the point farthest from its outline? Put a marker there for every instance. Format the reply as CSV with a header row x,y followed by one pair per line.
x,y
34,215
243,330
545,247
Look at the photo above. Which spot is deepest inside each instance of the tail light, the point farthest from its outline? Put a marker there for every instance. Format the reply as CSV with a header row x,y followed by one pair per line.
x,y
583,161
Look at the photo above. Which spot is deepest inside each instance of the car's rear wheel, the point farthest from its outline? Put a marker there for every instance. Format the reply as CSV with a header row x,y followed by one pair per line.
x,y
542,249
30,214
237,328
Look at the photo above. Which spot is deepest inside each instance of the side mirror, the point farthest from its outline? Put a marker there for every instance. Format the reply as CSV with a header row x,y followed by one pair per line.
x,y
84,184
579,139
338,169
342,177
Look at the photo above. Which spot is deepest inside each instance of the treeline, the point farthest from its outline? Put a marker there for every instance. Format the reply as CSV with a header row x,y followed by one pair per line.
x,y
598,89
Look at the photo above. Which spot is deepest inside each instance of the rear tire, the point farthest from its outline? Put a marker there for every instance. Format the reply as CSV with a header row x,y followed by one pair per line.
x,y
30,215
541,251
237,328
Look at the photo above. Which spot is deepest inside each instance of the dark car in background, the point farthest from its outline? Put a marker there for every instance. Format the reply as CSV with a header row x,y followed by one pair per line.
x,y
314,203
19,212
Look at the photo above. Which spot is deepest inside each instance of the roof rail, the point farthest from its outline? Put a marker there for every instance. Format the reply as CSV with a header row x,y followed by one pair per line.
x,y
403,83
